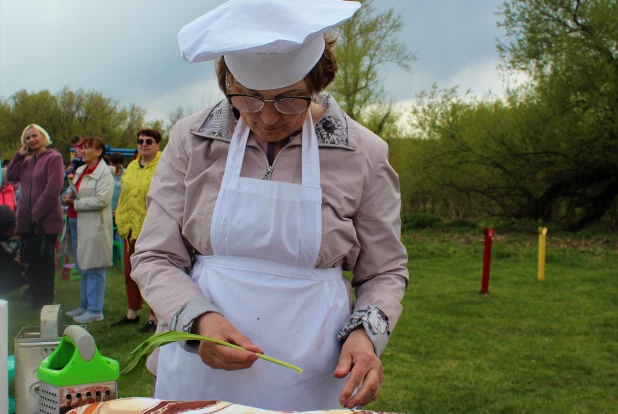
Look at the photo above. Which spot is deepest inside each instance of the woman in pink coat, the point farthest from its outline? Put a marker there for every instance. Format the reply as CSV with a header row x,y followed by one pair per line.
x,y
40,172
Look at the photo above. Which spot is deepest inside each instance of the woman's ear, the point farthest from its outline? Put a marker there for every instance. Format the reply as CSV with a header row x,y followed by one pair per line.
x,y
229,80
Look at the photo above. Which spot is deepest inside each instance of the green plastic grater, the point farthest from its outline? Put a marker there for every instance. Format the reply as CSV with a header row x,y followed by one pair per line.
x,y
75,374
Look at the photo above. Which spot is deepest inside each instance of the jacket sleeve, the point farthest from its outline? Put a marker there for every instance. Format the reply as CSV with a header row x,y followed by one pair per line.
x,y
102,197
14,169
380,273
123,213
162,258
53,187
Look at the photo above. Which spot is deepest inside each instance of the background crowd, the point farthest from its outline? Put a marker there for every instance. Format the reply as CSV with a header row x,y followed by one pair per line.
x,y
51,209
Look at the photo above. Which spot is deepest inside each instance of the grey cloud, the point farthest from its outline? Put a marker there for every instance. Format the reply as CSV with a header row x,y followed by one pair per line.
x,y
446,36
126,49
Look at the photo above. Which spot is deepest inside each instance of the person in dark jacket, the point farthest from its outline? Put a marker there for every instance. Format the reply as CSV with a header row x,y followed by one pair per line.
x,y
39,171
13,275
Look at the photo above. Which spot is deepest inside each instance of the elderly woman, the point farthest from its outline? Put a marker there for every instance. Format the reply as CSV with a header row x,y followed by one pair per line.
x,y
90,217
39,171
130,214
264,199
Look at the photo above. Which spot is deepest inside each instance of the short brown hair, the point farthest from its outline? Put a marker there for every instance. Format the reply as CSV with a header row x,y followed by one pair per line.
x,y
96,143
116,158
322,74
152,133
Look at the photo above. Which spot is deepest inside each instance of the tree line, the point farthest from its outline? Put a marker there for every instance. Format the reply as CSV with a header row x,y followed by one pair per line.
x,y
68,113
548,150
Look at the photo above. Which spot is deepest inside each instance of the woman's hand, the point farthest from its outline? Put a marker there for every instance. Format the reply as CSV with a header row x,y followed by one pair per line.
x,y
359,359
23,151
216,356
68,199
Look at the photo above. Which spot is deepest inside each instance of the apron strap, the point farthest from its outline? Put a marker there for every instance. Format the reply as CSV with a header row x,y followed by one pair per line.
x,y
236,153
311,155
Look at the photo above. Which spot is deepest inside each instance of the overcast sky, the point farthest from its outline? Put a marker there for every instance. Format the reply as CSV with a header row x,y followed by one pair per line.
x,y
127,49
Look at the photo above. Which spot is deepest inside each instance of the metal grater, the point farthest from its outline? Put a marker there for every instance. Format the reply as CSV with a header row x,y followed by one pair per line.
x,y
32,345
76,374
59,400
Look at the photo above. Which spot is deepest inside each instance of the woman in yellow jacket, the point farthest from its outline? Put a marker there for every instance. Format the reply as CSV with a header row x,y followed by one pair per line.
x,y
130,215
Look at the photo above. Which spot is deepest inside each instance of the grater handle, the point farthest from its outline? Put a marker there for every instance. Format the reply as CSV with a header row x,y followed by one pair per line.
x,y
83,340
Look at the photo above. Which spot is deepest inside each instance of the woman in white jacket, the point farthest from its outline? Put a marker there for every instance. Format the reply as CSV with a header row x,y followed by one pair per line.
x,y
90,226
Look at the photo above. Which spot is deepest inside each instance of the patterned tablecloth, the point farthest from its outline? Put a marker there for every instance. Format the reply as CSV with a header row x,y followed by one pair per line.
x,y
152,406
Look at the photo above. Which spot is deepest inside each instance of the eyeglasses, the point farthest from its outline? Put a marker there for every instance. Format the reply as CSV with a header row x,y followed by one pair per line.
x,y
289,105
147,141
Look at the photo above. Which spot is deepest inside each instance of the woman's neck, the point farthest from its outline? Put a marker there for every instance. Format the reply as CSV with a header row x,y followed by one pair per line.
x,y
39,151
93,163
144,160
317,111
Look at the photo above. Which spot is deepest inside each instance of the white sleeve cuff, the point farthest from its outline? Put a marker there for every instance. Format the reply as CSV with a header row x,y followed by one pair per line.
x,y
183,318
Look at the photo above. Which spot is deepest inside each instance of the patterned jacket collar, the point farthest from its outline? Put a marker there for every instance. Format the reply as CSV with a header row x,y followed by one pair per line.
x,y
331,129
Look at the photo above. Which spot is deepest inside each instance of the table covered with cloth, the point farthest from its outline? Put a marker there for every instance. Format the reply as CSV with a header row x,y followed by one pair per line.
x,y
154,406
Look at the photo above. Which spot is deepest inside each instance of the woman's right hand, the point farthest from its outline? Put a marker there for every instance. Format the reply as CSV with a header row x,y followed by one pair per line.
x,y
23,151
216,356
68,197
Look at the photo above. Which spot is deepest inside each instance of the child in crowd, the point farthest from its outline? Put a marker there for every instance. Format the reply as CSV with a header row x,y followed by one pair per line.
x,y
76,161
7,192
13,272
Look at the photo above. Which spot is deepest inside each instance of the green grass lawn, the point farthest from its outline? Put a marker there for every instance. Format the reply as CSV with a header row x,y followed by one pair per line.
x,y
528,347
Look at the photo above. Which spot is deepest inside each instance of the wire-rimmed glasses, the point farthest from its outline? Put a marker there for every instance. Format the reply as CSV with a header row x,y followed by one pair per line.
x,y
289,105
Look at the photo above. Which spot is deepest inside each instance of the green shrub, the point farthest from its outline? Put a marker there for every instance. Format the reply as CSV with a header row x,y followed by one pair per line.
x,y
462,224
419,221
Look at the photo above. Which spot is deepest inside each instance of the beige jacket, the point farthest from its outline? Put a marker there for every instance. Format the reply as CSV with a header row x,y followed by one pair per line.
x,y
94,217
360,207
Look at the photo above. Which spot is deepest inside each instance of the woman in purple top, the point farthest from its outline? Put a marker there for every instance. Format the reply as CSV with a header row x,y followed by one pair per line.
x,y
39,216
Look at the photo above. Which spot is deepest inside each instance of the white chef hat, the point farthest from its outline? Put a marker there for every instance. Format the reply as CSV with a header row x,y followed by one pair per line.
x,y
267,44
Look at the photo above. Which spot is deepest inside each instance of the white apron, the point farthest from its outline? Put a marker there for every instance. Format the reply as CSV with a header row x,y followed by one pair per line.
x,y
266,238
